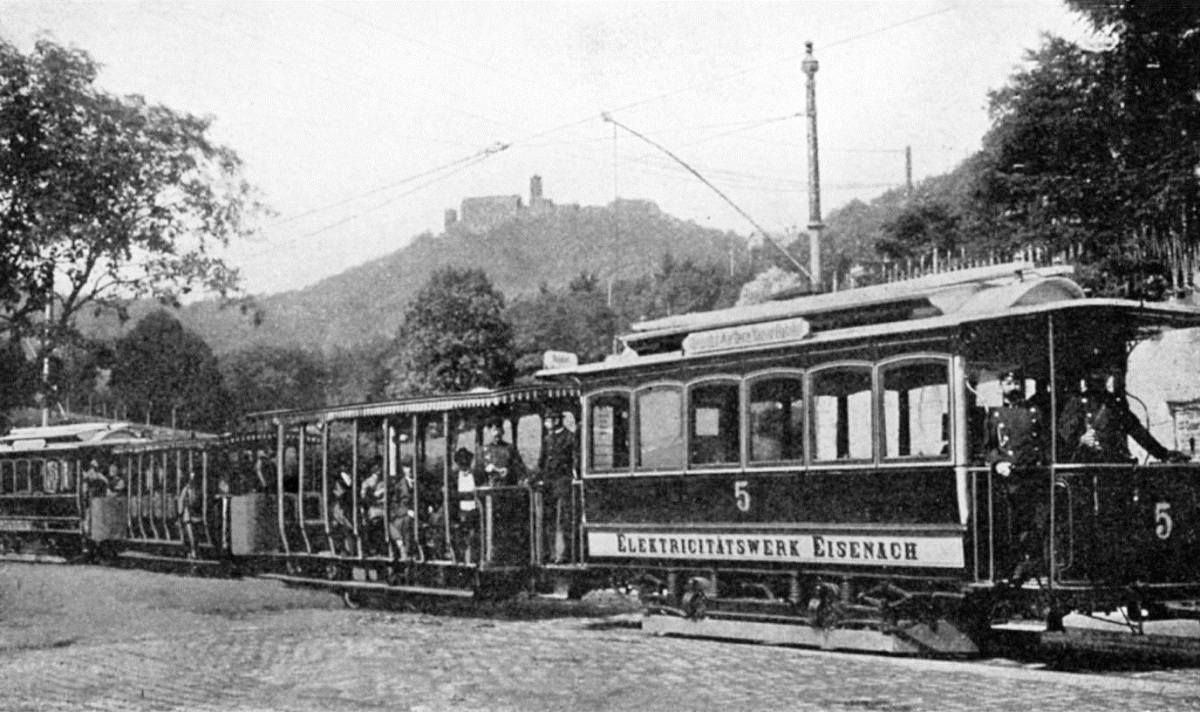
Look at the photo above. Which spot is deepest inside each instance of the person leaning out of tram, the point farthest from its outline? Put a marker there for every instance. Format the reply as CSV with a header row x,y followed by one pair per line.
x,y
1017,446
1095,425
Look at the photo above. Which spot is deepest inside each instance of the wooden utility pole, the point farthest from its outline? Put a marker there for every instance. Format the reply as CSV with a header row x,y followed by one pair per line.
x,y
814,173
908,171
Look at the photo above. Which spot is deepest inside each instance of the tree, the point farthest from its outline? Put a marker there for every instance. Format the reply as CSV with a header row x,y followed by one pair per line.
x,y
1099,150
271,377
104,198
577,320
454,337
165,373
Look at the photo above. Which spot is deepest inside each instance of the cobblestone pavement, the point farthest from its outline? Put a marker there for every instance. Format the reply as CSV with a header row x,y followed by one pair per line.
x,y
118,640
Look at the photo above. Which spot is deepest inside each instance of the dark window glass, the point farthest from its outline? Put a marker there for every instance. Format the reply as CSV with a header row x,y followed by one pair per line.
x,y
608,441
777,419
713,419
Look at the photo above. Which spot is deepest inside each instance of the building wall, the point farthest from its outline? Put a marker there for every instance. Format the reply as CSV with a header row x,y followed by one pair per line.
x,y
488,211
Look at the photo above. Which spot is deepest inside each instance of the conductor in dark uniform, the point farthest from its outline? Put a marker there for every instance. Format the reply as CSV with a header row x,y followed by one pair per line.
x,y
556,467
1095,426
1017,445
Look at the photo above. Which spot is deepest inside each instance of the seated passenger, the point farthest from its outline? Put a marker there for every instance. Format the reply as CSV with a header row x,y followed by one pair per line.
x,y
1095,425
341,526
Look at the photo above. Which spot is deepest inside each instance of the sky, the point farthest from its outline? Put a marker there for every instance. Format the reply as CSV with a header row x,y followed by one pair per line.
x,y
361,123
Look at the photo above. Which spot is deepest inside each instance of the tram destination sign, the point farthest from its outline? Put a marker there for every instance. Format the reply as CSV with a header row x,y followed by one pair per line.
x,y
746,336
860,550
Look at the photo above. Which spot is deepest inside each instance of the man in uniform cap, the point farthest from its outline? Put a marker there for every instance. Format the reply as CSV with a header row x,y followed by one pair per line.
x,y
556,467
1017,447
1096,424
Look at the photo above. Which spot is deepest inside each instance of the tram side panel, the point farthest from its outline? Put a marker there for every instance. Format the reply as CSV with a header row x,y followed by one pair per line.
x,y
863,517
1117,526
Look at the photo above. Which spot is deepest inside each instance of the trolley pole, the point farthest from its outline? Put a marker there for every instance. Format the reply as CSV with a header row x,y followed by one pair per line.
x,y
814,172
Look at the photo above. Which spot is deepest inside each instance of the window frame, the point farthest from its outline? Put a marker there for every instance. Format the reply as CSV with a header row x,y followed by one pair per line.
x,y
586,435
880,424
738,383
748,383
635,420
811,404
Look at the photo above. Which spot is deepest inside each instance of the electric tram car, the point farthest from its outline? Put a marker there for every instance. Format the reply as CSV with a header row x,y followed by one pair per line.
x,y
813,470
44,494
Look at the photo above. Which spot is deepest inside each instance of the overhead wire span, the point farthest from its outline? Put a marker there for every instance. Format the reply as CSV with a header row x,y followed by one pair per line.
x,y
716,190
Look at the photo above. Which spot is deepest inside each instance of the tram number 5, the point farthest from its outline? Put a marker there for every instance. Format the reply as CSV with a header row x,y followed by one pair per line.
x,y
741,495
1162,520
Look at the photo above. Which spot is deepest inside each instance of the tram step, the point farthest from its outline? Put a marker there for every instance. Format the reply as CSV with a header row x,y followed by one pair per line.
x,y
1183,609
34,558
372,586
143,556
1020,626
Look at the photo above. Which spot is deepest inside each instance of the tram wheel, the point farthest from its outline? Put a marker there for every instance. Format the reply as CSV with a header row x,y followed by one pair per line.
x,y
695,604
350,599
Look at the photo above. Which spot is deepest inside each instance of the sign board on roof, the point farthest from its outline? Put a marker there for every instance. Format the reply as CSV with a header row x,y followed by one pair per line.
x,y
746,336
553,360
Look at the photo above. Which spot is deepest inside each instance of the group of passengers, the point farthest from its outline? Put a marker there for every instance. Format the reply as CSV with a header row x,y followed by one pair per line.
x,y
390,518
1094,425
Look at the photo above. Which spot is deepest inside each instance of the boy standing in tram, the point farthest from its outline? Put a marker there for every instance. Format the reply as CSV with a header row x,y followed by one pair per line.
x,y
466,518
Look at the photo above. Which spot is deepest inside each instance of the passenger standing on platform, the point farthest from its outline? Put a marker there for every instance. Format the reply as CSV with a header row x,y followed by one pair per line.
x,y
191,512
95,484
371,498
501,461
556,467
1017,448
400,520
467,512
1095,426
341,526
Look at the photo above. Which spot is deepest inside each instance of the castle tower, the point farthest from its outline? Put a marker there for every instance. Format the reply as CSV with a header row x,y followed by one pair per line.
x,y
535,190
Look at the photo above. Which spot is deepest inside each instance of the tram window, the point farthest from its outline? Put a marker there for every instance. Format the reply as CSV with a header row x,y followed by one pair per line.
x,y
660,428
916,410
608,441
777,420
8,478
841,413
713,420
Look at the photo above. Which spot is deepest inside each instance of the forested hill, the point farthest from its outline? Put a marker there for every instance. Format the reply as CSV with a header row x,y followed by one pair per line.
x,y
544,247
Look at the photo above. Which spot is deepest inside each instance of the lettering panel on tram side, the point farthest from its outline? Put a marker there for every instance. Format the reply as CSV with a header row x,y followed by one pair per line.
x,y
737,516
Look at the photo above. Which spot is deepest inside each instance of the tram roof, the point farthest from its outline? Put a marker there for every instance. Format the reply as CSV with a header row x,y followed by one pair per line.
x,y
468,400
68,436
929,304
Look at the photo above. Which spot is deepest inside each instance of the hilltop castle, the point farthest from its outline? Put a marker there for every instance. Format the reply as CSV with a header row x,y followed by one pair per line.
x,y
481,213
